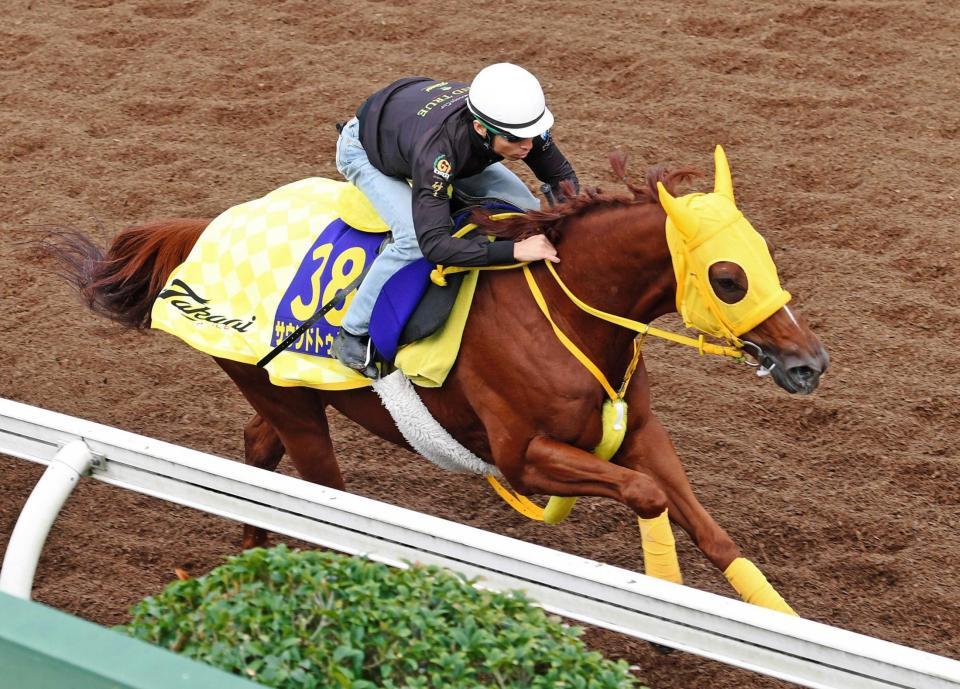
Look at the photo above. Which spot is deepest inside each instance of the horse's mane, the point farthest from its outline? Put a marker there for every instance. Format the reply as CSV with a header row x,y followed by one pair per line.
x,y
551,222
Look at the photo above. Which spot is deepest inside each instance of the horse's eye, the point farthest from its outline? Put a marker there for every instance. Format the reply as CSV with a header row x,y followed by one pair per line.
x,y
729,282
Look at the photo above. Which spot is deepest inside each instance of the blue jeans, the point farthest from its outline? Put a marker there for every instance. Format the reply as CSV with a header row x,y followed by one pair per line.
x,y
393,200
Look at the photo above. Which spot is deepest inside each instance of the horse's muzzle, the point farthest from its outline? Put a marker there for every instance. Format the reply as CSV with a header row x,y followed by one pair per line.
x,y
794,372
789,351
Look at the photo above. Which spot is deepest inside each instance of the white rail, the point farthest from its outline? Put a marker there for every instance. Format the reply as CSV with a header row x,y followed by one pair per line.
x,y
37,517
796,650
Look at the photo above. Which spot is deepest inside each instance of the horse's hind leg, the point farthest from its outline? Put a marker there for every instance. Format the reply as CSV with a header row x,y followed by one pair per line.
x,y
263,449
294,419
298,416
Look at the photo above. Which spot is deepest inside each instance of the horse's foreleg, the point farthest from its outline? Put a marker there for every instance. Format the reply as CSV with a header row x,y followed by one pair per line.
x,y
555,468
263,449
550,467
649,449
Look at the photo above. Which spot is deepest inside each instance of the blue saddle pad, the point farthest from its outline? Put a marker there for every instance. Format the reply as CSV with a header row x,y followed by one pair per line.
x,y
404,290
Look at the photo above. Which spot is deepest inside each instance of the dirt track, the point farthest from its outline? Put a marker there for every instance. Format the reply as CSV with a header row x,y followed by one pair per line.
x,y
841,121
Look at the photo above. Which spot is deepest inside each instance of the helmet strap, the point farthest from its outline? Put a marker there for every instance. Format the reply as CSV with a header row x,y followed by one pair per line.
x,y
488,137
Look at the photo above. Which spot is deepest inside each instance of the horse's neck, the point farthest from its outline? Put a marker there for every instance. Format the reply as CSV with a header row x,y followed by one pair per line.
x,y
617,260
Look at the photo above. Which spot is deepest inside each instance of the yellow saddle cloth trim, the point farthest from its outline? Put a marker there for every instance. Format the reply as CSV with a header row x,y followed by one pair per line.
x,y
427,362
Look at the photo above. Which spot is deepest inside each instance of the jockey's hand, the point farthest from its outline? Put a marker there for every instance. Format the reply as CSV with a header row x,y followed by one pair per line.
x,y
535,248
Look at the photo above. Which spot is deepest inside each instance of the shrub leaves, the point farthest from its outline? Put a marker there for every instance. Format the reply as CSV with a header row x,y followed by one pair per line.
x,y
308,619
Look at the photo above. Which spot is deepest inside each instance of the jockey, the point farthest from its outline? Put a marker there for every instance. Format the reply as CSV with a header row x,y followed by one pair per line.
x,y
444,134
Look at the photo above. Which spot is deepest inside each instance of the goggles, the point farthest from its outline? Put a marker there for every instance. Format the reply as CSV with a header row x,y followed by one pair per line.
x,y
511,138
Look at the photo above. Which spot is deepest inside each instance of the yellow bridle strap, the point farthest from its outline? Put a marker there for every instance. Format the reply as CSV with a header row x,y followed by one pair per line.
x,y
632,367
644,329
437,275
567,342
614,419
700,343
614,416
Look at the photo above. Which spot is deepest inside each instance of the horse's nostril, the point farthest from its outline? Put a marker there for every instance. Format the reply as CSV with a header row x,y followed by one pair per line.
x,y
803,373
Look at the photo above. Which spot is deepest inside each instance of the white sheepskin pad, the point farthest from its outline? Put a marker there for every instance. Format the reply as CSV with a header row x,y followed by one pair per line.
x,y
422,431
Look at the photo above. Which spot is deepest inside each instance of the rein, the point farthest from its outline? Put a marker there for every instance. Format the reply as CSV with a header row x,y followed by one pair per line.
x,y
614,412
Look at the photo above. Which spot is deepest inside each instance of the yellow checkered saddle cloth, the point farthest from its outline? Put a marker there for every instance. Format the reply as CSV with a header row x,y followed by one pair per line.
x,y
263,267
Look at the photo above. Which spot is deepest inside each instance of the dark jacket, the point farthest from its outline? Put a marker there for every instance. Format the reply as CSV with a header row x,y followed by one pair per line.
x,y
421,129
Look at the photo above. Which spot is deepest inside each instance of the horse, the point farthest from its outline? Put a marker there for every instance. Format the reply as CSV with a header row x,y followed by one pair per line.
x,y
516,396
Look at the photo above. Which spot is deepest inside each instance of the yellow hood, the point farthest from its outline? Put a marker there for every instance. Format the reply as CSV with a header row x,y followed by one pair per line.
x,y
704,229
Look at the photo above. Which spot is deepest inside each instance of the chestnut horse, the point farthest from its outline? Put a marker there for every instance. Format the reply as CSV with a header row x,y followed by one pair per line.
x,y
516,397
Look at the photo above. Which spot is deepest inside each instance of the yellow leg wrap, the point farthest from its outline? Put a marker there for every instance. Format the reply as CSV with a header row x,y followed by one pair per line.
x,y
659,549
753,587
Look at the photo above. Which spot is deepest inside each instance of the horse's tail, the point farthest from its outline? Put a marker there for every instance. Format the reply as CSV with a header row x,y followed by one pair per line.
x,y
123,283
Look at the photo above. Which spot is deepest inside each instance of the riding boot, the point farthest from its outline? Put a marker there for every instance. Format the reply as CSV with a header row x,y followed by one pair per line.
x,y
353,351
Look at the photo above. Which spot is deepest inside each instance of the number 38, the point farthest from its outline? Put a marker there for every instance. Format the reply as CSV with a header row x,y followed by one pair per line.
x,y
340,277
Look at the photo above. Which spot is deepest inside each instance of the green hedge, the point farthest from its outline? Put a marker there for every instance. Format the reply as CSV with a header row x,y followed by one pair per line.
x,y
295,619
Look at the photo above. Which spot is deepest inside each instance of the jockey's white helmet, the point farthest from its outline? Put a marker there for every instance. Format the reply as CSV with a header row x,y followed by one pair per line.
x,y
509,99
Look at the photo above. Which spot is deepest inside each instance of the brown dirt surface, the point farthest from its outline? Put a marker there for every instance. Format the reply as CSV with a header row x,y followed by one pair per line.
x,y
841,122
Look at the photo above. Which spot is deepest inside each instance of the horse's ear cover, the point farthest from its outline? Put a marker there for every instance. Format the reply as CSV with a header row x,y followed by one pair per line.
x,y
723,182
677,212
